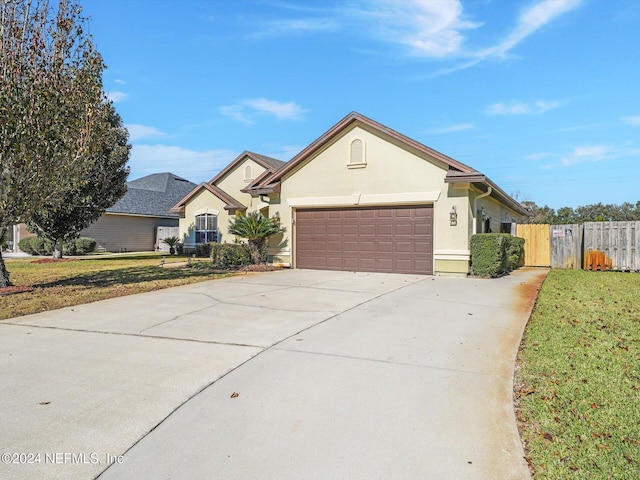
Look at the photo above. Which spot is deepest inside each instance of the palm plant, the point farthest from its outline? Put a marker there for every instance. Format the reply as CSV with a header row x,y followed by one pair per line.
x,y
257,229
172,242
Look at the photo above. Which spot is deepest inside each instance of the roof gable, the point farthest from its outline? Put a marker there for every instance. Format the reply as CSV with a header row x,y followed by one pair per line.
x,y
346,124
230,202
457,171
270,164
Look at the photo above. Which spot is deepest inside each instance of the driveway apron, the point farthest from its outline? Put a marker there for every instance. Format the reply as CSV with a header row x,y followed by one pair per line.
x,y
290,374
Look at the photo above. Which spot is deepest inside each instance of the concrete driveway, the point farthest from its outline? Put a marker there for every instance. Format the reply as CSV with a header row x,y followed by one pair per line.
x,y
292,374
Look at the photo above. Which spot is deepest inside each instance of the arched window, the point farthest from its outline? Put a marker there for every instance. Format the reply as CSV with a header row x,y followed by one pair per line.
x,y
356,154
248,173
206,228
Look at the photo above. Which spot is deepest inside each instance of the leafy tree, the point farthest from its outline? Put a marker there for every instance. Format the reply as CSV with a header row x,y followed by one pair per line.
x,y
566,215
98,182
257,229
50,88
544,214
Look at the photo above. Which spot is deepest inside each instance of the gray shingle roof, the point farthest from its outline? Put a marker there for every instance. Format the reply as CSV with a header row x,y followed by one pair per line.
x,y
153,195
276,164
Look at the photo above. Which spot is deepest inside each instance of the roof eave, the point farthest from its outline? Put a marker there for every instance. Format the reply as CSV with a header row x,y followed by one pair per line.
x,y
480,180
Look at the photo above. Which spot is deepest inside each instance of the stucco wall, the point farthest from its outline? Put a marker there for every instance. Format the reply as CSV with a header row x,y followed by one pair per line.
x,y
234,181
128,233
204,202
496,211
392,176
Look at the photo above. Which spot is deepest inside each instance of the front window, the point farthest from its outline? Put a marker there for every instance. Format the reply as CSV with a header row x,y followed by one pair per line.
x,y
206,228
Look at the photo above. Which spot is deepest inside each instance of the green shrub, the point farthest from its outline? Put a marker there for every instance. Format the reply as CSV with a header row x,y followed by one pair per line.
x,y
203,250
69,248
25,245
515,252
84,245
43,246
227,255
493,254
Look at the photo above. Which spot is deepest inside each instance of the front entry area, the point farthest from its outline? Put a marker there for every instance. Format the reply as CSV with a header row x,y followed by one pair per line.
x,y
366,239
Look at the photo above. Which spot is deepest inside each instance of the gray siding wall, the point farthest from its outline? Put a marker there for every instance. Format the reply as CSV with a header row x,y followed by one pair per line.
x,y
116,233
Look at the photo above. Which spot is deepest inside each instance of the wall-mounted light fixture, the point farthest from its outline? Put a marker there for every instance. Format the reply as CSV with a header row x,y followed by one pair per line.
x,y
453,216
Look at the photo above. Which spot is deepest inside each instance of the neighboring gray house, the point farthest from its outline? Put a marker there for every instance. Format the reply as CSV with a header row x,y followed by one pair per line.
x,y
132,223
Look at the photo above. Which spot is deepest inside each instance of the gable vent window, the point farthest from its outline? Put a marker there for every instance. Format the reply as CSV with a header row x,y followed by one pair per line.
x,y
357,155
248,173
206,228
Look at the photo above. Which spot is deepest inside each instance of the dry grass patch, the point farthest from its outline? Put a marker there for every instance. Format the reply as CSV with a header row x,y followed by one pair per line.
x,y
63,284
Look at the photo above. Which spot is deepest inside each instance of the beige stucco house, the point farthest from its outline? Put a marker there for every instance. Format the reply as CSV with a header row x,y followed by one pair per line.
x,y
205,212
362,197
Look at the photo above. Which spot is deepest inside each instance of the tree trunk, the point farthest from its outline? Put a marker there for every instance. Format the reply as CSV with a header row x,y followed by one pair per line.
x,y
57,249
4,273
255,248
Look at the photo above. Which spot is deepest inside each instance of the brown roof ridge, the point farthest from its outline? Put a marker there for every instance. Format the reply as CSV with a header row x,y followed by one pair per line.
x,y
270,164
351,118
231,203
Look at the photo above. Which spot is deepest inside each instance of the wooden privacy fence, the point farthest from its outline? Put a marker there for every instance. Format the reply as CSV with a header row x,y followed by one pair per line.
x,y
612,246
537,249
592,245
162,233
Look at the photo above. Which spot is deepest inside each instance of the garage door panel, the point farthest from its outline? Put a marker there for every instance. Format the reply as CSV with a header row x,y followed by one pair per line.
x,y
385,239
367,229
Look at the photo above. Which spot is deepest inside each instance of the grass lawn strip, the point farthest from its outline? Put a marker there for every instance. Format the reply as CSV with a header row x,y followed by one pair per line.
x,y
64,284
578,377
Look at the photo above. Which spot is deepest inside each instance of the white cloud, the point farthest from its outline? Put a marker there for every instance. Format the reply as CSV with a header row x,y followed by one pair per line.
x,y
599,153
635,121
283,111
245,110
431,29
530,20
517,107
120,82
139,132
197,166
590,153
235,112
116,97
452,128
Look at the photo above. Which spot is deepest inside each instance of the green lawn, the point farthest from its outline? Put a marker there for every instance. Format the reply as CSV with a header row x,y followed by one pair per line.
x,y
64,284
578,377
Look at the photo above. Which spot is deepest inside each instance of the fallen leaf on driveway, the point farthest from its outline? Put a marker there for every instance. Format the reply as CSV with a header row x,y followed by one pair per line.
x,y
235,394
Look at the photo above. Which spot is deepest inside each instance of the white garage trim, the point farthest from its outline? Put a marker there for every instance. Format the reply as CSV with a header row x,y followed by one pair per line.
x,y
452,255
366,199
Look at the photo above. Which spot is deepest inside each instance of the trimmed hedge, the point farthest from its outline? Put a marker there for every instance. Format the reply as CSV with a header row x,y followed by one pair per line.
x,y
226,255
493,254
44,247
515,252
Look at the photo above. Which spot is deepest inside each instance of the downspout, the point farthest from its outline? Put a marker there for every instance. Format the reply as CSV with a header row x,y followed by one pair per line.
x,y
475,206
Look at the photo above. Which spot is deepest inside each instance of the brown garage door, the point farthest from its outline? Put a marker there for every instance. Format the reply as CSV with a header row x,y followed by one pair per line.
x,y
380,239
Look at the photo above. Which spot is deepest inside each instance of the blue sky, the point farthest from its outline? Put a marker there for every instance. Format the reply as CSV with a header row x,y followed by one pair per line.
x,y
542,96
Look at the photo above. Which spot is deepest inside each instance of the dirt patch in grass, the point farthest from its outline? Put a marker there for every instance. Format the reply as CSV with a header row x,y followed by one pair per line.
x,y
53,260
14,289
